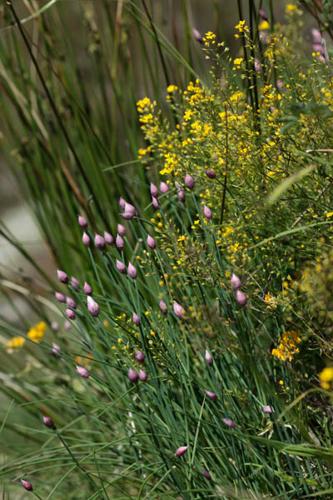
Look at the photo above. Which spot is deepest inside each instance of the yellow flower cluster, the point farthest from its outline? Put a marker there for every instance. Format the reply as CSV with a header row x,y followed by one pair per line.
x,y
15,343
287,347
35,334
326,378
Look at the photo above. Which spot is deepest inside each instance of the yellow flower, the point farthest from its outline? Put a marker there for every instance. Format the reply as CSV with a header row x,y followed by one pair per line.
x,y
271,301
264,25
15,343
326,377
143,104
209,38
172,88
37,332
329,214
287,347
290,7
238,62
241,26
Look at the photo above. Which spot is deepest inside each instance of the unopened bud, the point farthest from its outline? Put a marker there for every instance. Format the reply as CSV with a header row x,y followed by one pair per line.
x,y
132,375
60,297
208,358
189,181
178,310
26,485
121,229
92,306
163,307
62,276
181,451
211,395
151,243
136,319
131,271
207,212
153,190
229,423
82,221
55,350
87,288
139,356
155,203
99,241
108,238
70,314
120,266
164,188
211,174
75,283
143,376
181,195
71,302
241,298
85,239
120,242
48,422
235,282
82,371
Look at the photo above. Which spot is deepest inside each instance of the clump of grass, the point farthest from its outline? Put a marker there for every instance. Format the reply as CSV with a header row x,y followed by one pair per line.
x,y
186,359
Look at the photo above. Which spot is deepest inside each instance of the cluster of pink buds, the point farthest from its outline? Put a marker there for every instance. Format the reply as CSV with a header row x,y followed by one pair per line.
x,y
128,210
241,297
134,376
319,45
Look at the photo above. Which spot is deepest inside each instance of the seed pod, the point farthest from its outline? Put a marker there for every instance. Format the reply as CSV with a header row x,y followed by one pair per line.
x,y
132,375
92,306
181,451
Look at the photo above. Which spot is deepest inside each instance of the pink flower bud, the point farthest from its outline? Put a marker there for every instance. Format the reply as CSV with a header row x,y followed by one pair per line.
x,y
26,485
122,203
75,283
119,242
139,356
143,376
131,271
316,36
268,410
48,422
55,350
129,211
211,395
235,282
62,276
121,229
189,181
164,188
197,35
82,371
153,190
181,195
241,298
71,302
120,266
208,358
178,310
82,221
132,375
92,306
60,297
99,241
229,423
181,451
211,174
55,326
163,307
155,203
70,314
108,238
206,474
207,212
85,239
136,319
151,243
87,288
263,14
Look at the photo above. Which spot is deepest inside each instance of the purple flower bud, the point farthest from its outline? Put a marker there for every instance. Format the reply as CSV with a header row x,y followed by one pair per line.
x,y
163,307
70,314
153,190
48,422
263,14
139,356
155,203
85,239
131,271
316,36
99,241
62,276
181,195
235,282
143,376
60,297
108,238
151,243
241,298
268,410
71,302
164,188
120,266
122,203
136,319
132,375
178,310
206,474
82,221
26,485
229,423
55,350
197,35
189,181
92,306
121,229
67,325
181,451
207,212
211,174
129,211
54,326
211,395
119,242
75,283
87,288
208,358
82,371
